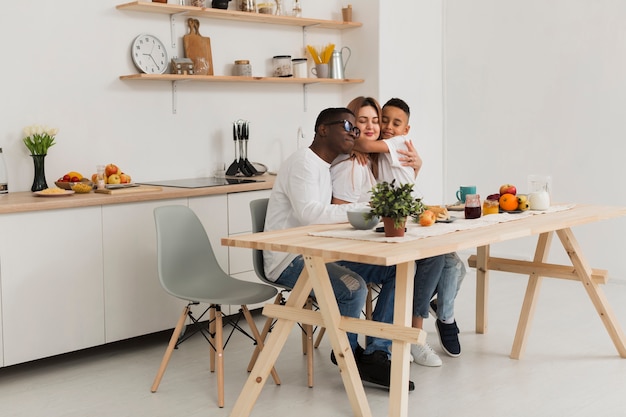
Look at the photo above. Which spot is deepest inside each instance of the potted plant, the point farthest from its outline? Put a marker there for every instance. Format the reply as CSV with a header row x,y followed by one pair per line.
x,y
393,203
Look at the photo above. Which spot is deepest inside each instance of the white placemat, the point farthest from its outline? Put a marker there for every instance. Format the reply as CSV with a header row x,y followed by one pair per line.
x,y
415,231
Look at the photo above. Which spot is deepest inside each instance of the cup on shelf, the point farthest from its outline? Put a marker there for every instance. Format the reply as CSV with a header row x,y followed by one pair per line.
x,y
320,70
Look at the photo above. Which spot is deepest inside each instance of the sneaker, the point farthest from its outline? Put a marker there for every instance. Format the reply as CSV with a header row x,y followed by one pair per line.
x,y
424,355
449,338
376,368
433,307
358,352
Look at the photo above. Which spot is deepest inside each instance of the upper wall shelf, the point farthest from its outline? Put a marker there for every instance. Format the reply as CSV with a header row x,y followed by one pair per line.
x,y
172,9
237,79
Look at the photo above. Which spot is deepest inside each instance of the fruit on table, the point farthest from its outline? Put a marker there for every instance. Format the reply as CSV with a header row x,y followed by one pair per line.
x,y
125,178
111,169
508,202
495,197
522,202
71,176
427,218
114,179
508,189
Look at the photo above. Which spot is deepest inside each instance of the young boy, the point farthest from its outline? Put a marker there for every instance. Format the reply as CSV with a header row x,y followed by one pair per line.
x,y
394,128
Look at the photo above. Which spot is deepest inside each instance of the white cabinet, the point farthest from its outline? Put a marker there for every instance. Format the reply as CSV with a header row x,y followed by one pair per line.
x,y
134,301
51,271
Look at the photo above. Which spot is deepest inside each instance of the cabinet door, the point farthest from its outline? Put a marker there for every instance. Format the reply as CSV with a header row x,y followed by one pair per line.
x,y
135,302
51,270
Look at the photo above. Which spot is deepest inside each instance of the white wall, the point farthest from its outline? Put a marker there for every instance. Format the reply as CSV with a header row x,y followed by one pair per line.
x,y
539,87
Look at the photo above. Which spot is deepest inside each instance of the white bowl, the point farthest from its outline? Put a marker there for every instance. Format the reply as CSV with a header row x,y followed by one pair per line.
x,y
357,219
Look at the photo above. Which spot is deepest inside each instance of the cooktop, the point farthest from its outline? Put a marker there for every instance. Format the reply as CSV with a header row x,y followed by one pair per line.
x,y
200,182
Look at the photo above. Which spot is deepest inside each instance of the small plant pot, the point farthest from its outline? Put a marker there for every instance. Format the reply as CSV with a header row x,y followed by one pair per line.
x,y
390,228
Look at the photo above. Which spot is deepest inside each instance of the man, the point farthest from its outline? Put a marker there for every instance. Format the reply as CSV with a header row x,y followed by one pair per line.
x,y
302,196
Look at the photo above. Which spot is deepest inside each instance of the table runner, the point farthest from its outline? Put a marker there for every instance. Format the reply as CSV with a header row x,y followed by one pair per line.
x,y
415,231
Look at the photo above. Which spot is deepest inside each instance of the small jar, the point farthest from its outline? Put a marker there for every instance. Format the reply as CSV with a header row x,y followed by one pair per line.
x,y
242,68
246,6
299,67
491,207
265,6
282,66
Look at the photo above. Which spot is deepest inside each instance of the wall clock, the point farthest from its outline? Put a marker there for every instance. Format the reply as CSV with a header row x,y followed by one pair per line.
x,y
149,54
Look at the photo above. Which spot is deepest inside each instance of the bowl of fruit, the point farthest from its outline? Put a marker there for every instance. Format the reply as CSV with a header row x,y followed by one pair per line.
x,y
68,180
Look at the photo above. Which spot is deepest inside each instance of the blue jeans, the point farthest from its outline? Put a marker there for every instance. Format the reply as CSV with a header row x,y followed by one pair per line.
x,y
449,285
349,288
427,276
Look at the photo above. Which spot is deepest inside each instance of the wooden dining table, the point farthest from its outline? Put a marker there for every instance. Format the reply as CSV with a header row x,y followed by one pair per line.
x,y
318,250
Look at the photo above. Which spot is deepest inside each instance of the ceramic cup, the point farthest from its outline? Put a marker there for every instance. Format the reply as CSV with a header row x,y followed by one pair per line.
x,y
320,70
463,191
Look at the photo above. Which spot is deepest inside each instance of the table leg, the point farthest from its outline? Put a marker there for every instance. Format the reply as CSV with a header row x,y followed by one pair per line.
x,y
593,290
267,358
339,340
482,288
530,299
400,350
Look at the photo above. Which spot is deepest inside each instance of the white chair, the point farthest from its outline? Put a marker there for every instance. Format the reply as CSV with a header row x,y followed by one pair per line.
x,y
188,270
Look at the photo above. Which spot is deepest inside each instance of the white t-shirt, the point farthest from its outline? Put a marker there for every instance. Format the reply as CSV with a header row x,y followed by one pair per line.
x,y
352,182
301,196
390,168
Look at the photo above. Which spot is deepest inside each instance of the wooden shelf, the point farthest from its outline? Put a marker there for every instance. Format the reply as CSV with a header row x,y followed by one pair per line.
x,y
172,9
234,79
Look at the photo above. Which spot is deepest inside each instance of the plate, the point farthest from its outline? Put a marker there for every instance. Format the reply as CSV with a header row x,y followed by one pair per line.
x,y
458,206
450,220
511,211
114,186
63,194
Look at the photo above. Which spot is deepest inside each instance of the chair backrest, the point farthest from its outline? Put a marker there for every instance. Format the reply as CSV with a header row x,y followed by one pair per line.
x,y
184,252
258,210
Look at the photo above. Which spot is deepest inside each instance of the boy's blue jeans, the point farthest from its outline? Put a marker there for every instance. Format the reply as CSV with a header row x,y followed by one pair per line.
x,y
448,287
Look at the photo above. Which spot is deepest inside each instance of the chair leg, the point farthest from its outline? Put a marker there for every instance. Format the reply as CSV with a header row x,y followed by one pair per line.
x,y
219,352
369,303
308,345
170,348
258,338
266,329
212,328
320,335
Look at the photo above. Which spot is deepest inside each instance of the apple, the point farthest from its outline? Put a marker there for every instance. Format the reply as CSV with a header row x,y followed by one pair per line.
x,y
125,178
427,218
75,179
495,197
94,178
114,179
66,178
508,189
111,169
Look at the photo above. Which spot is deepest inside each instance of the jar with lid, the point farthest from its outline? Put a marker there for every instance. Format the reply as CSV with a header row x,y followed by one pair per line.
x,y
246,6
282,66
299,67
242,68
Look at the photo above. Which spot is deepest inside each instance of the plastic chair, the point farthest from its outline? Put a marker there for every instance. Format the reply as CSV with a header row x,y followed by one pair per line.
x,y
188,270
258,210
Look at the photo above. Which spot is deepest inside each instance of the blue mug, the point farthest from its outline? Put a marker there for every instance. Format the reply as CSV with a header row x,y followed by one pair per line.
x,y
463,191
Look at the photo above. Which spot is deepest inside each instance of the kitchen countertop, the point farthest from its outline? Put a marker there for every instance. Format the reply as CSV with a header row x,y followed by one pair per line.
x,y
26,201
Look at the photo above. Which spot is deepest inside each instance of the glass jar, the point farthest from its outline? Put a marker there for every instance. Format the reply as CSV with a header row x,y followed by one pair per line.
x,y
265,6
472,206
297,10
491,207
242,68
282,66
246,6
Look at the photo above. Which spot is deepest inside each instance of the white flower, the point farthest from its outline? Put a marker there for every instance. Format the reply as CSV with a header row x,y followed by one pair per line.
x,y
39,138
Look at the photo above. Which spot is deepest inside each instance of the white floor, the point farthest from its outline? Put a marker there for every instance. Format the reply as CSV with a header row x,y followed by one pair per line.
x,y
571,368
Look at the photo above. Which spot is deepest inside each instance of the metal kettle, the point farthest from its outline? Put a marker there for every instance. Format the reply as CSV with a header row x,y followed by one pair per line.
x,y
337,67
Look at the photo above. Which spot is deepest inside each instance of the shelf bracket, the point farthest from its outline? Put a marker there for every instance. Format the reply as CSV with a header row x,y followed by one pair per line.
x,y
305,89
174,96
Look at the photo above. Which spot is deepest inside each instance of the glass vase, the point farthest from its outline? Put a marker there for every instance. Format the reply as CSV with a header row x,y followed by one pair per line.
x,y
39,182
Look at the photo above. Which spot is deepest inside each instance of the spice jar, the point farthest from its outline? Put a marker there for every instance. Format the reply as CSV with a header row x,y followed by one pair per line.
x,y
282,66
242,68
246,6
266,6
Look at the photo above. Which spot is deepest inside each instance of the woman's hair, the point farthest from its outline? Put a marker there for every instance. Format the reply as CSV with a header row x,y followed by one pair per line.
x,y
356,105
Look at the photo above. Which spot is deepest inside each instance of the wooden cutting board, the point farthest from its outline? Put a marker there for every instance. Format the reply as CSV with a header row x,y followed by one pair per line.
x,y
129,190
198,47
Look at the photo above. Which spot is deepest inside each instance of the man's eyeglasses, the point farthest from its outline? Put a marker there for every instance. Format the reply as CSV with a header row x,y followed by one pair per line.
x,y
347,126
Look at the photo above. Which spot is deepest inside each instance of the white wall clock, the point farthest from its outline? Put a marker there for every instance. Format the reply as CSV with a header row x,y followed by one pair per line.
x,y
149,54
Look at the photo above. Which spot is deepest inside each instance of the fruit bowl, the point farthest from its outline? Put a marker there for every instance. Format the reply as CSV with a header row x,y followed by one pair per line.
x,y
66,185
357,219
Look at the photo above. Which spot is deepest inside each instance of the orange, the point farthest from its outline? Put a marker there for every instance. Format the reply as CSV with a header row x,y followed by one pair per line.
x,y
508,202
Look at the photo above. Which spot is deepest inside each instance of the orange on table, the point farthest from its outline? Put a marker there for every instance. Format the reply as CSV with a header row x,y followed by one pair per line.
x,y
508,202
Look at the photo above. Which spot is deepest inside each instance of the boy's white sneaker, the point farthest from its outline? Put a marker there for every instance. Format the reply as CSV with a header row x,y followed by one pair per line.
x,y
424,355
